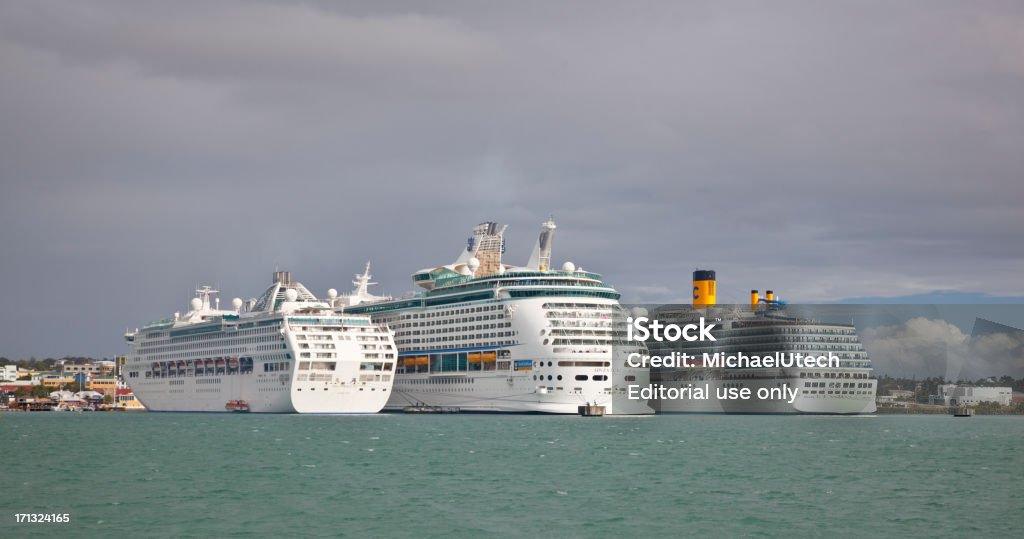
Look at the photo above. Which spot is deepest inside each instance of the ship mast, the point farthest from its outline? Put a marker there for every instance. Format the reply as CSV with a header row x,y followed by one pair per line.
x,y
362,283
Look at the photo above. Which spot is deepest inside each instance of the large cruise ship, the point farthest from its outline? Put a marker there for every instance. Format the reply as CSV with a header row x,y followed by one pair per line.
x,y
285,352
489,337
762,329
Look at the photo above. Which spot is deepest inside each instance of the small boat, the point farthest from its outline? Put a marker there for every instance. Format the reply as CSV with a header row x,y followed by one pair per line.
x,y
424,409
237,406
590,410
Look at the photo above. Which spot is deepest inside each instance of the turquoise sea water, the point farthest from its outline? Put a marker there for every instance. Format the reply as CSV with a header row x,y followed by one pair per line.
x,y
147,474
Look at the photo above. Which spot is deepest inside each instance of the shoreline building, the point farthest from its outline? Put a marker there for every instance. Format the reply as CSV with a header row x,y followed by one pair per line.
x,y
960,395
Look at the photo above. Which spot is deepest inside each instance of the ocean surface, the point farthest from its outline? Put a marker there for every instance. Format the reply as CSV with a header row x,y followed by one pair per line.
x,y
392,475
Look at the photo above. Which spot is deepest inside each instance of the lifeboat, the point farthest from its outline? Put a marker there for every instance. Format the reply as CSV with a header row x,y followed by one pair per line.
x,y
237,406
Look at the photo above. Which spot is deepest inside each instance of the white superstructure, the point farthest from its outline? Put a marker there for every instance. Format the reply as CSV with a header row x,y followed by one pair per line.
x,y
284,352
848,388
485,336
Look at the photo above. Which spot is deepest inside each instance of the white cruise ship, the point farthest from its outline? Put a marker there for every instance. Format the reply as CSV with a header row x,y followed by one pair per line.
x,y
285,352
484,336
761,329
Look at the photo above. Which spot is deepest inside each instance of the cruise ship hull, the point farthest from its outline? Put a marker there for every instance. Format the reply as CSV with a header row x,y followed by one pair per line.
x,y
843,385
485,336
262,393
512,394
538,376
290,354
802,403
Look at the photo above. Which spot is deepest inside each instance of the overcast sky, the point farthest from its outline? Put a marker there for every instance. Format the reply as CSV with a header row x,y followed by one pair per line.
x,y
824,149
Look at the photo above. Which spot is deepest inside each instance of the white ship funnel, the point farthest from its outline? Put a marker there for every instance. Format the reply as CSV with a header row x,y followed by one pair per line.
x,y
540,259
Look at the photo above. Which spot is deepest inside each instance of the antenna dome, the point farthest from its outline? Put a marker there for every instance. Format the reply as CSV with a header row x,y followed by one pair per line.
x,y
196,304
473,263
236,303
332,293
569,266
291,294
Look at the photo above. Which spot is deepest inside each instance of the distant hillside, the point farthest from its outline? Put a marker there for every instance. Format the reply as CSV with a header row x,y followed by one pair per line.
x,y
939,297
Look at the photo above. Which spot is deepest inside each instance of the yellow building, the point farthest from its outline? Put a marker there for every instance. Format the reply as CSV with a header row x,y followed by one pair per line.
x,y
106,385
56,381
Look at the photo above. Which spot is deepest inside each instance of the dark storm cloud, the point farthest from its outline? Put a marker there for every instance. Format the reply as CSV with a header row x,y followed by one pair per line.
x,y
929,347
826,150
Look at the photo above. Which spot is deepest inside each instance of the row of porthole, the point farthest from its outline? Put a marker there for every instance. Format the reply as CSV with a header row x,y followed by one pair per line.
x,y
360,389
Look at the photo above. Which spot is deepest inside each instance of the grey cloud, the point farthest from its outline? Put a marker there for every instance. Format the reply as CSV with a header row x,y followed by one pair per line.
x,y
932,347
825,150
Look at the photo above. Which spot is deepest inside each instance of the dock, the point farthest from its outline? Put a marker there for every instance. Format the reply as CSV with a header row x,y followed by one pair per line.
x,y
963,411
424,409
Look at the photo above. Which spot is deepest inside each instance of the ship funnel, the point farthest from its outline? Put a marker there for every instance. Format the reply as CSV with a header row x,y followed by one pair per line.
x,y
703,288
283,277
540,258
769,295
754,300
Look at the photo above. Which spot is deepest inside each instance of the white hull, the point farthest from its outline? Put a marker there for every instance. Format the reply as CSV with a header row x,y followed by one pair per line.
x,y
265,393
511,394
804,403
291,355
845,386
485,336
550,383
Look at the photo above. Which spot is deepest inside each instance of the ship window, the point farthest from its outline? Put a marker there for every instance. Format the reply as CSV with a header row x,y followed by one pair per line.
x,y
600,377
582,377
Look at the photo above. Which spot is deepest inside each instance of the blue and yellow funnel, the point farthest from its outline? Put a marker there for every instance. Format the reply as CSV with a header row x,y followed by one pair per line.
x,y
703,288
